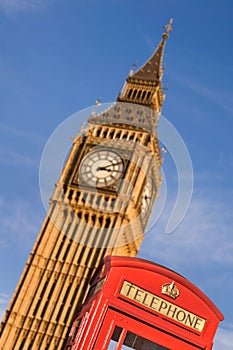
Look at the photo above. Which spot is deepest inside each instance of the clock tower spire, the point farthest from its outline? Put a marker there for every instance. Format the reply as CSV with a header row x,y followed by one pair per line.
x,y
144,87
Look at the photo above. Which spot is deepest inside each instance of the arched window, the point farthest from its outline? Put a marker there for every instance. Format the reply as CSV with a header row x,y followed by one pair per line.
x,y
139,93
148,95
111,134
77,196
107,223
93,218
130,93
143,95
131,137
147,139
98,132
105,133
135,93
70,194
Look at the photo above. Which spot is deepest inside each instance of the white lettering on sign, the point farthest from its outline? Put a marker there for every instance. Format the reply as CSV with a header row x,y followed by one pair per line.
x,y
162,306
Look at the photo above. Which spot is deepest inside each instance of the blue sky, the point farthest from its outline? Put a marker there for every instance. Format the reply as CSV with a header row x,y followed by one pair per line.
x,y
58,56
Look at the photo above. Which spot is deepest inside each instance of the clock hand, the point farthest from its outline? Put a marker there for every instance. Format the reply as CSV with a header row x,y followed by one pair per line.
x,y
104,168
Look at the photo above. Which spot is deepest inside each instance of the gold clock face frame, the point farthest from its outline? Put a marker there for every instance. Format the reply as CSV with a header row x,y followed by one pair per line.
x,y
147,194
101,168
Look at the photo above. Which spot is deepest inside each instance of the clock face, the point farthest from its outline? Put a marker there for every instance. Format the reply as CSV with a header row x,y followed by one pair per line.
x,y
146,197
101,168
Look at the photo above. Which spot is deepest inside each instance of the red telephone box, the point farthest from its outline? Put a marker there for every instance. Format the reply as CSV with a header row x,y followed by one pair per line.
x,y
136,304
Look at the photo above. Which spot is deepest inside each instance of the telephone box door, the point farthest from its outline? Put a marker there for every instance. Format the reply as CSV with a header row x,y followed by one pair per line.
x,y
120,332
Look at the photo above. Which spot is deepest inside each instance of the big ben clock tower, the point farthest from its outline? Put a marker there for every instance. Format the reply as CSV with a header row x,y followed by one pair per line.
x,y
100,206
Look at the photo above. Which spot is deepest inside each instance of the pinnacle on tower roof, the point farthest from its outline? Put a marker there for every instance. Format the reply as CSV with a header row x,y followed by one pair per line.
x,y
141,96
152,70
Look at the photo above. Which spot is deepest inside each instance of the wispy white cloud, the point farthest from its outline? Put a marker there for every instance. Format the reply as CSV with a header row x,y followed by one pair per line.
x,y
219,97
22,5
19,133
224,338
15,156
19,222
16,159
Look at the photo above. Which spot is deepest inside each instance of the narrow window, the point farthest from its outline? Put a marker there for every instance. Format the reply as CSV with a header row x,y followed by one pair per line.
x,y
101,220
147,139
148,95
131,137
143,95
93,218
130,93
77,196
111,134
105,133
98,132
70,194
108,221
135,93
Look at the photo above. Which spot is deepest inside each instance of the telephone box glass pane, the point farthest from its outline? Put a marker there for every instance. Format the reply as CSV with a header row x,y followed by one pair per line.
x,y
112,345
133,341
115,337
